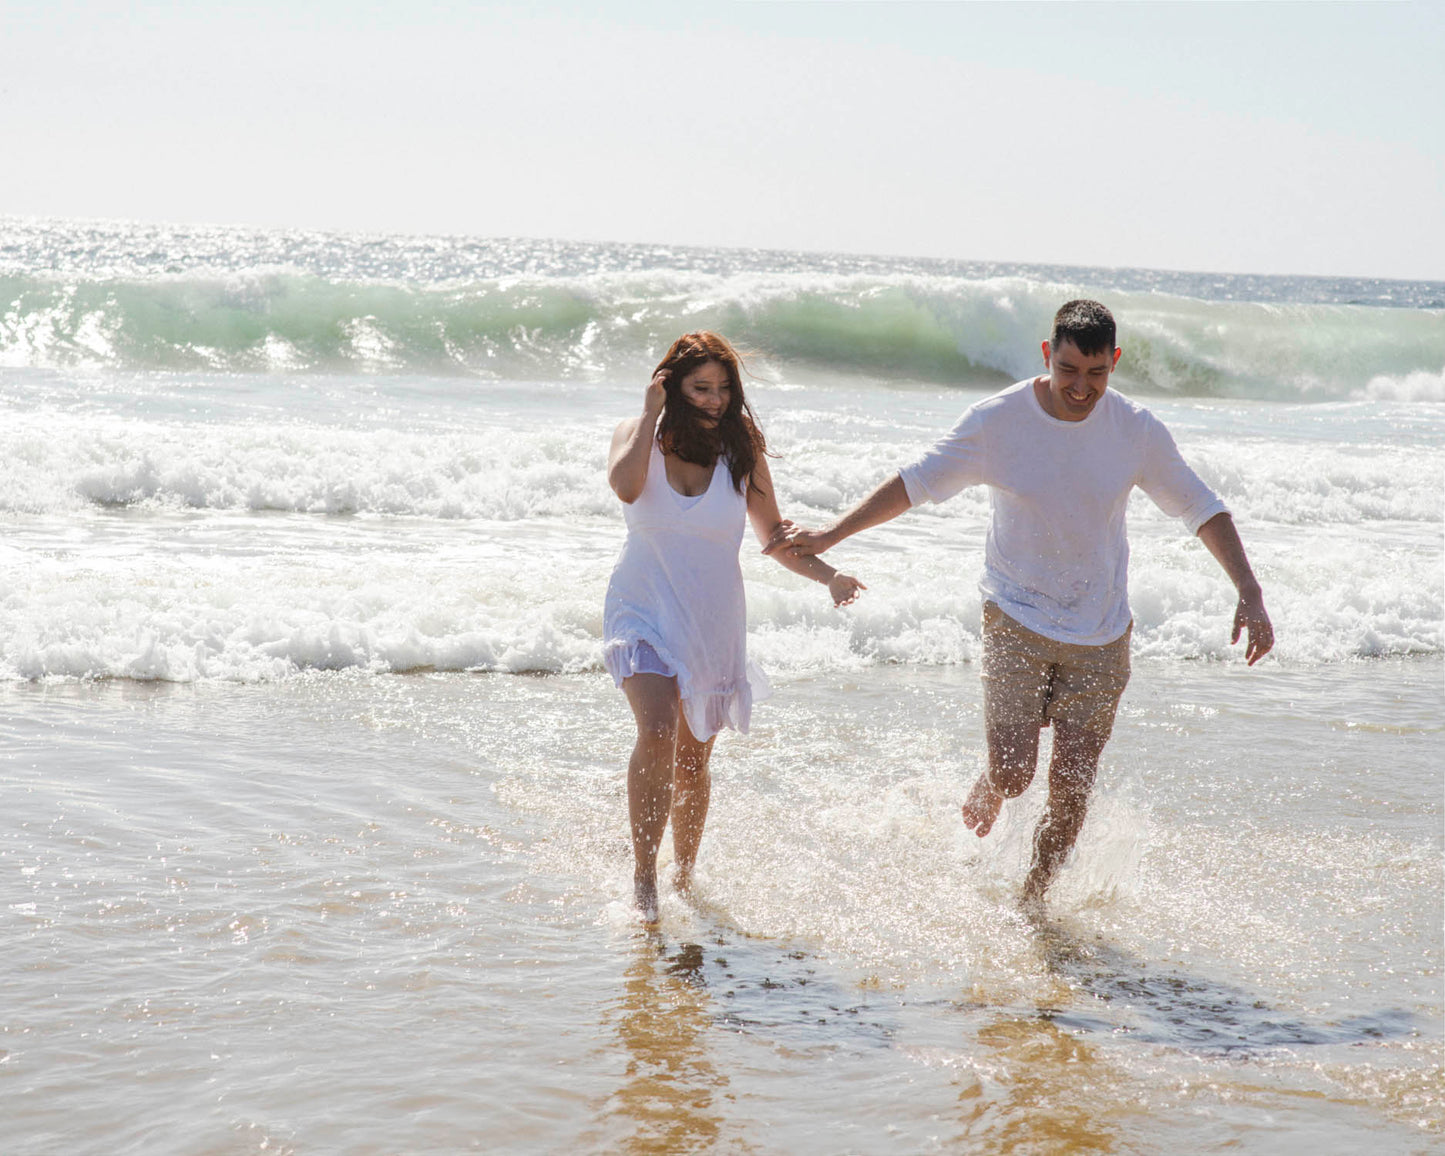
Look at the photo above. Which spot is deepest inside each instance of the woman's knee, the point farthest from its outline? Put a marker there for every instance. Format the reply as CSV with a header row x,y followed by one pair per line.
x,y
691,766
656,737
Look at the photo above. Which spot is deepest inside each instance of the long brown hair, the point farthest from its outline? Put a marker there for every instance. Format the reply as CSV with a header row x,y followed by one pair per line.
x,y
736,435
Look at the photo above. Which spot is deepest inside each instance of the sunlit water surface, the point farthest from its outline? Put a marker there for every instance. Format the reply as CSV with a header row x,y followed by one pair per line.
x,y
314,831
388,914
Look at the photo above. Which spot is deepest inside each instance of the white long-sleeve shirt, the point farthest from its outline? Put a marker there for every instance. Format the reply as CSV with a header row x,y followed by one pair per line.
x,y
1057,557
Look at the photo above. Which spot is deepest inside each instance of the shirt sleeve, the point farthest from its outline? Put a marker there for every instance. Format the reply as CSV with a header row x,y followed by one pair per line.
x,y
956,461
1175,488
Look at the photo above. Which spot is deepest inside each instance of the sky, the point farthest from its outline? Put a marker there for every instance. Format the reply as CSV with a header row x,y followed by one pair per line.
x,y
1253,138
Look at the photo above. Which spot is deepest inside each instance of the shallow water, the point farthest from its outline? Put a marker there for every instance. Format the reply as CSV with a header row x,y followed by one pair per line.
x,y
314,830
348,913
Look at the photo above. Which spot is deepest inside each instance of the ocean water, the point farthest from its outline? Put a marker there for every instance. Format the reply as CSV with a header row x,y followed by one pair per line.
x,y
315,816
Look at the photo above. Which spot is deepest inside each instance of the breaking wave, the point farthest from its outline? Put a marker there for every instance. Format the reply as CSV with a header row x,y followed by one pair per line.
x,y
274,302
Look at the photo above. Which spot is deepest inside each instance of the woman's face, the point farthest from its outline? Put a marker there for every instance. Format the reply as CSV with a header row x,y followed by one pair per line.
x,y
709,390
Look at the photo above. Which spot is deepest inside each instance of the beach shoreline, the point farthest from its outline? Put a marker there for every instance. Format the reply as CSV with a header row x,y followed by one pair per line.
x,y
235,911
315,834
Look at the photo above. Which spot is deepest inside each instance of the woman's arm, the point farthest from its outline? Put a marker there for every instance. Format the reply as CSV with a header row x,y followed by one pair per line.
x,y
632,444
768,523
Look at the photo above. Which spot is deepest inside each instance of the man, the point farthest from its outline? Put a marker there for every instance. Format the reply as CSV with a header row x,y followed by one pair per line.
x,y
1061,453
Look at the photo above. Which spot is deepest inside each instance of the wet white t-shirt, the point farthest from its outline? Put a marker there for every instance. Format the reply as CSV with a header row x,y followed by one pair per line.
x,y
1057,557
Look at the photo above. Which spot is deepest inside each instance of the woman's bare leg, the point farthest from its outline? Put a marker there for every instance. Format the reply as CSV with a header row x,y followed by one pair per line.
x,y
691,793
653,698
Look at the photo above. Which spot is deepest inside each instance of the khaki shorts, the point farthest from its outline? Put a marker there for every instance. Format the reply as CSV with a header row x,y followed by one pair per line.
x,y
1030,678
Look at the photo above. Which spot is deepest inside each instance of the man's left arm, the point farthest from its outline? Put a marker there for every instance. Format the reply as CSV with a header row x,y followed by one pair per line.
x,y
1222,540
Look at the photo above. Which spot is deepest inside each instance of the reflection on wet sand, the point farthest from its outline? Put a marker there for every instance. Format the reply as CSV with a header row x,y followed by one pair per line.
x,y
1032,1086
1050,1080
663,1015
1040,1090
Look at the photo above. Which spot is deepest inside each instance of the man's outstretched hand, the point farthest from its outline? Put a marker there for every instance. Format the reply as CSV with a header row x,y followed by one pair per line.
x,y
1250,619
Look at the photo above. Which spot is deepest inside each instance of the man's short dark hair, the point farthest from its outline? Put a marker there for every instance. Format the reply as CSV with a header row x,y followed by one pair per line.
x,y
1088,324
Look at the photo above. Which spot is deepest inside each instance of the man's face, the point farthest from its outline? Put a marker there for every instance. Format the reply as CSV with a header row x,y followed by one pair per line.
x,y
1076,380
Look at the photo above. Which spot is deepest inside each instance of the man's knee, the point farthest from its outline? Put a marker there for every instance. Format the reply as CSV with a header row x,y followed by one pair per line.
x,y
1013,754
1076,746
1069,796
1074,764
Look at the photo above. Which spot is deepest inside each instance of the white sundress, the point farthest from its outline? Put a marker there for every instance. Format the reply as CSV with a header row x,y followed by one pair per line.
x,y
675,600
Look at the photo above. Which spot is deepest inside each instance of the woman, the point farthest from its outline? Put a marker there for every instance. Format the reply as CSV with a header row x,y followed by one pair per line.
x,y
674,627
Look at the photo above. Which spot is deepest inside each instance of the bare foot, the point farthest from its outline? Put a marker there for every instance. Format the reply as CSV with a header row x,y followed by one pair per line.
x,y
981,807
682,879
1035,884
644,891
1031,901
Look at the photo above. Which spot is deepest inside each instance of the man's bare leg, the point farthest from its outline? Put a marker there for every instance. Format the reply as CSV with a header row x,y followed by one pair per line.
x,y
1072,769
1013,754
653,698
691,793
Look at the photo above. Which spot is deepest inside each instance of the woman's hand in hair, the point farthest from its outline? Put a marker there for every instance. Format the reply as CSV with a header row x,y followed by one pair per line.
x,y
656,395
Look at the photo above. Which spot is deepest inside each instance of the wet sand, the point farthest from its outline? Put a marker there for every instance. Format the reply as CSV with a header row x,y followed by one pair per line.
x,y
374,914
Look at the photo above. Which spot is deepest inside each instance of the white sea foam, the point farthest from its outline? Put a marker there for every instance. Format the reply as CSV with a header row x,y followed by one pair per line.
x,y
172,602
1422,385
67,461
153,549
183,528
194,618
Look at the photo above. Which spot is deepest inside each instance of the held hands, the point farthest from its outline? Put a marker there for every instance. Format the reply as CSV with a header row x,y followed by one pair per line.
x,y
1250,617
795,547
796,541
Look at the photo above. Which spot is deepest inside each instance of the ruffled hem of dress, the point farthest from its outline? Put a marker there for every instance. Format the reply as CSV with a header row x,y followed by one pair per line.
x,y
619,656
706,714
623,659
